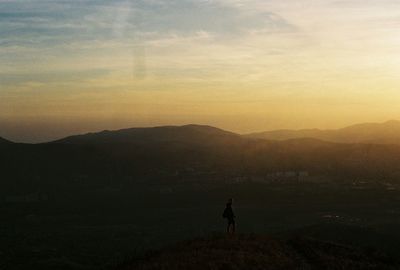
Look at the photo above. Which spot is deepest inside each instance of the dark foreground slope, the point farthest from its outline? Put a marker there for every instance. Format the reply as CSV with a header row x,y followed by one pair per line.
x,y
259,252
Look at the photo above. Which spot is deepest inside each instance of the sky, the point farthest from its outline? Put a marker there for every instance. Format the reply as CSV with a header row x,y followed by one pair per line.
x,y
70,67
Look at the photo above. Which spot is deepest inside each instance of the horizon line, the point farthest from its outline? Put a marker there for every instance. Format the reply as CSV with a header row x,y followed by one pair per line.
x,y
193,124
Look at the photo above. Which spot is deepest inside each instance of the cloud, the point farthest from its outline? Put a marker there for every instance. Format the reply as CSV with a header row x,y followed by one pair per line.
x,y
190,16
45,22
8,79
44,34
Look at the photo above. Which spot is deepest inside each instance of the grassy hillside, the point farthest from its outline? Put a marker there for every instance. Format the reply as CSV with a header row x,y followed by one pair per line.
x,y
259,252
91,229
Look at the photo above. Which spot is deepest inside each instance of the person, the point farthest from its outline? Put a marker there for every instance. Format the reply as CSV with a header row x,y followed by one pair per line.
x,y
230,216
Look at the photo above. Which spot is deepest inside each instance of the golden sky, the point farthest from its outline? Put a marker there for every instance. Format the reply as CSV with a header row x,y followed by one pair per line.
x,y
243,65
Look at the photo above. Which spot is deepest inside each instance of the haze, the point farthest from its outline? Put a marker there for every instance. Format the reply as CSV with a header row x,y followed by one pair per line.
x,y
251,65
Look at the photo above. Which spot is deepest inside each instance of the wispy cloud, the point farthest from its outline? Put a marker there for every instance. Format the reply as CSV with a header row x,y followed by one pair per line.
x,y
48,34
86,20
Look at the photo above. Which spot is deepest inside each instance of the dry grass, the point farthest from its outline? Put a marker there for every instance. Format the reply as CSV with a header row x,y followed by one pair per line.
x,y
245,252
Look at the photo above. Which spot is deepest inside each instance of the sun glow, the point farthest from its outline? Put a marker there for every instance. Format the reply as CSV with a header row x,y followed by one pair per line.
x,y
242,65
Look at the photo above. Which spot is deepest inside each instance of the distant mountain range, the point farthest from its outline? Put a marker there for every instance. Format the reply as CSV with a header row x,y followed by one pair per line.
x,y
366,133
197,134
370,133
184,152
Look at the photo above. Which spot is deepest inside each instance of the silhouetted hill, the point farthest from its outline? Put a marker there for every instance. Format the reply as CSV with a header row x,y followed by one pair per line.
x,y
166,183
378,133
4,141
164,153
259,252
164,134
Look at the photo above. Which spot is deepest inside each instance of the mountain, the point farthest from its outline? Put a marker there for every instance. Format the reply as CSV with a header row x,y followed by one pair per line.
x,y
165,154
163,134
4,141
260,252
375,133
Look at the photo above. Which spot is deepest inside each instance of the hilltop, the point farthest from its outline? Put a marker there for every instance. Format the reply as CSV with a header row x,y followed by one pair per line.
x,y
259,252
162,134
4,141
372,133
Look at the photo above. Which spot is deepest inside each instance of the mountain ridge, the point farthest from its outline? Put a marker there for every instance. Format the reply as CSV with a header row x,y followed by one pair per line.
x,y
371,133
4,141
184,133
368,133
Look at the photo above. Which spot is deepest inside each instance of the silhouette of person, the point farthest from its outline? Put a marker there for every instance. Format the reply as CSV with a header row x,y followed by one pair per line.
x,y
230,216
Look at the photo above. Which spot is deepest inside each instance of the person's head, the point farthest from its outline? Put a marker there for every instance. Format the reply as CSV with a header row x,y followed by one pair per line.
x,y
230,201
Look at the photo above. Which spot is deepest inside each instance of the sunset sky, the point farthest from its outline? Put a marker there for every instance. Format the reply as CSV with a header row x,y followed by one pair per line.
x,y
243,65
